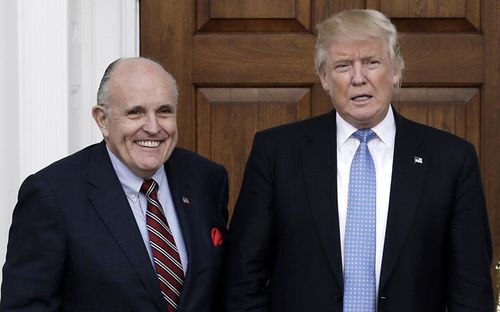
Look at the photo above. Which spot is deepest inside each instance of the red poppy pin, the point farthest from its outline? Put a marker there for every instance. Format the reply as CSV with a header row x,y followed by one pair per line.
x,y
217,237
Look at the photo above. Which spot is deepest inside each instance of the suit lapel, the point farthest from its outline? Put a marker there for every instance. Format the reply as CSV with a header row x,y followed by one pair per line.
x,y
408,174
181,193
109,200
319,160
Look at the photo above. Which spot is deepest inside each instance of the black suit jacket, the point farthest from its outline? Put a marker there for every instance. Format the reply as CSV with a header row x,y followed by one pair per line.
x,y
74,244
284,244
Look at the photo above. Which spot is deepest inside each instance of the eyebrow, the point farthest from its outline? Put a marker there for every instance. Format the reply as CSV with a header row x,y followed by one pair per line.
x,y
170,107
142,109
136,108
347,57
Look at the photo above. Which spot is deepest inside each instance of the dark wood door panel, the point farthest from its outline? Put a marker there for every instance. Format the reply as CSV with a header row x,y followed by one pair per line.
x,y
246,65
253,16
288,59
456,110
446,59
431,15
253,59
252,9
228,118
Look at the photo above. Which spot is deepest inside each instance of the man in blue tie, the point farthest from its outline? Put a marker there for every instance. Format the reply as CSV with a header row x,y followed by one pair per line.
x,y
359,209
132,223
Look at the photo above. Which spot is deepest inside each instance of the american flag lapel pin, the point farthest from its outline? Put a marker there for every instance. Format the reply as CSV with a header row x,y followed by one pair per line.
x,y
185,200
418,160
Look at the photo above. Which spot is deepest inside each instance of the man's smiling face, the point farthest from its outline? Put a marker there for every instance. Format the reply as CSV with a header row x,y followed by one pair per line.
x,y
140,124
360,78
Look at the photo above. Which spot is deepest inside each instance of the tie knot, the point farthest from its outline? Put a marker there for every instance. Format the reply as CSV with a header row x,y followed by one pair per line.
x,y
149,186
364,135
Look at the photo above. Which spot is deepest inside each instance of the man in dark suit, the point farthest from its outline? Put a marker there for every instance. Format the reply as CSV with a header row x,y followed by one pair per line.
x,y
410,235
130,224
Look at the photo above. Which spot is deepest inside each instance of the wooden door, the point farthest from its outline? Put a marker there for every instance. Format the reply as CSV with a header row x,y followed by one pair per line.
x,y
247,65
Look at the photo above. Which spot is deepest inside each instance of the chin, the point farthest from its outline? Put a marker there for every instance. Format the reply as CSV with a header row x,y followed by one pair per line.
x,y
152,167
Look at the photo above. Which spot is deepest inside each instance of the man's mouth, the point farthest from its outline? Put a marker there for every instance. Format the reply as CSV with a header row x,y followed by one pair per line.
x,y
361,98
148,143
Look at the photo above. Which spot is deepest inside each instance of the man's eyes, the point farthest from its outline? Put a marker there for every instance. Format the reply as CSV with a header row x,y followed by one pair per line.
x,y
372,63
342,67
166,110
163,111
134,112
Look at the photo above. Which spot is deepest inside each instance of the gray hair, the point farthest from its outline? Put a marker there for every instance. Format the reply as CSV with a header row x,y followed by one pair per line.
x,y
104,86
357,25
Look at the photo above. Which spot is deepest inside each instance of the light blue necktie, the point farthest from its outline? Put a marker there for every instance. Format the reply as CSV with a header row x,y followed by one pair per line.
x,y
359,244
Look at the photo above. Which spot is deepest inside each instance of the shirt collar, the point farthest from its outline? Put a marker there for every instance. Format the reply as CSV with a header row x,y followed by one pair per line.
x,y
385,130
130,182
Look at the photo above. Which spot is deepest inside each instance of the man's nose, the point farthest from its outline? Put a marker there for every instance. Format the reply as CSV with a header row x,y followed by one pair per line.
x,y
151,124
358,74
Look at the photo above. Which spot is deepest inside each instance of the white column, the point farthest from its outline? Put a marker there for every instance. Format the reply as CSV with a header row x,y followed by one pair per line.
x,y
43,76
100,32
33,94
52,56
9,119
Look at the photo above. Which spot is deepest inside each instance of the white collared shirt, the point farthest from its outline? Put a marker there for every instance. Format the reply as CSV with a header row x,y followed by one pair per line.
x,y
131,185
382,151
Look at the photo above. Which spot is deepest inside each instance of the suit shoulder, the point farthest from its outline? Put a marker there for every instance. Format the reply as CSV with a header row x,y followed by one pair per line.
x,y
197,169
182,155
439,137
297,128
68,173
442,144
70,165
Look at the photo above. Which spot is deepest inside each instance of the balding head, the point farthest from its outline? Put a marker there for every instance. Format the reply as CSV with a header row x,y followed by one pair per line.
x,y
124,66
137,114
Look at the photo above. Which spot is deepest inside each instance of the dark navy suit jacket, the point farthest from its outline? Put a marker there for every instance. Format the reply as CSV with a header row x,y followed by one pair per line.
x,y
74,244
284,243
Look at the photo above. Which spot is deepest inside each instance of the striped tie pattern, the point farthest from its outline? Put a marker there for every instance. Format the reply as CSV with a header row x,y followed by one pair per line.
x,y
359,254
166,256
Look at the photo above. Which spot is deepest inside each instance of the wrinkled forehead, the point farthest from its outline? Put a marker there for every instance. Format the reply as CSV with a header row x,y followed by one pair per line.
x,y
139,69
376,47
137,92
142,78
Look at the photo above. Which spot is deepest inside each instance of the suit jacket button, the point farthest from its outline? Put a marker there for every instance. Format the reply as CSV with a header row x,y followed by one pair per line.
x,y
381,303
337,298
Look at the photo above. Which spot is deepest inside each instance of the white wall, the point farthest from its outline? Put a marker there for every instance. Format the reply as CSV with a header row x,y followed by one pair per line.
x,y
9,105
52,56
100,31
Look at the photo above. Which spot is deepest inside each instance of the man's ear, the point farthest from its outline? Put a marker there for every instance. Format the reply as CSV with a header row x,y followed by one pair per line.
x,y
396,77
324,80
101,118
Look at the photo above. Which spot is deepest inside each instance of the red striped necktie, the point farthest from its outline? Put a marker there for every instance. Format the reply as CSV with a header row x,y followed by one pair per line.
x,y
166,256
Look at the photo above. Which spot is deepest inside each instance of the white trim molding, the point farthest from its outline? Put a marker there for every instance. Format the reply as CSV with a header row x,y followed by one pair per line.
x,y
43,75
52,56
100,32
9,120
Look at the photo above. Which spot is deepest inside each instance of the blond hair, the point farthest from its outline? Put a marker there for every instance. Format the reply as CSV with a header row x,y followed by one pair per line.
x,y
354,25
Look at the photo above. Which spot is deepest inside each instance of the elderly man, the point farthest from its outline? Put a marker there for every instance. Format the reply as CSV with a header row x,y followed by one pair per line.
x,y
359,209
130,224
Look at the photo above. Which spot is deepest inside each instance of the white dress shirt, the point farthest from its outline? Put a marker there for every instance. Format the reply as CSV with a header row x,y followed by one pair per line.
x,y
131,185
382,151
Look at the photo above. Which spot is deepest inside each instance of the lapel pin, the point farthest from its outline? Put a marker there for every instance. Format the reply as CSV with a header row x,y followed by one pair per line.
x,y
185,200
418,160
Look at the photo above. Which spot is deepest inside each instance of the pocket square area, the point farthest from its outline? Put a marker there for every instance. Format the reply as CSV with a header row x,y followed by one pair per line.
x,y
217,237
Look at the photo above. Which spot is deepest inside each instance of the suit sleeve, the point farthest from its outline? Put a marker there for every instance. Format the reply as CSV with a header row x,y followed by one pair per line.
x,y
250,248
223,198
469,263
222,218
35,253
